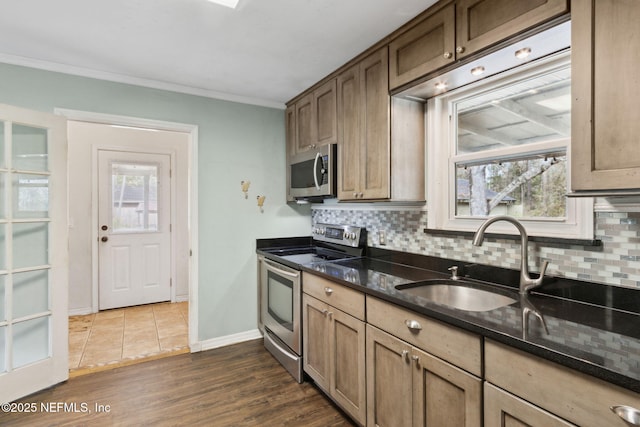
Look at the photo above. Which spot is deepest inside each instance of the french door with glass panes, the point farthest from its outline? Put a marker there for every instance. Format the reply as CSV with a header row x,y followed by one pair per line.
x,y
33,252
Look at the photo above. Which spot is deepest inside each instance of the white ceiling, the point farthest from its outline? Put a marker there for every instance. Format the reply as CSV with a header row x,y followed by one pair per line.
x,y
264,52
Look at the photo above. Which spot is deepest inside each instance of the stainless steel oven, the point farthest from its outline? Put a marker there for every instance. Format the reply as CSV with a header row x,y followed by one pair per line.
x,y
280,287
280,304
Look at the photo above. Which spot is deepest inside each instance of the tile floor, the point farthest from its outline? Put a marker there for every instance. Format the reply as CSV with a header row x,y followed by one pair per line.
x,y
115,337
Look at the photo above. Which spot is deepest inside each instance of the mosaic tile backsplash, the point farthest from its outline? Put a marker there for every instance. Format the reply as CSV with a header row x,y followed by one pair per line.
x,y
616,262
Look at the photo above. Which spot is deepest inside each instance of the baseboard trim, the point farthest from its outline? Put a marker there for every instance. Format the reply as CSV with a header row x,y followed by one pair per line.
x,y
80,311
226,340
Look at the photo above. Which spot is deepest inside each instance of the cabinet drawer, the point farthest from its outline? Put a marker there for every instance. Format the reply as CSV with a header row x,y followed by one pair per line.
x,y
572,395
454,345
341,297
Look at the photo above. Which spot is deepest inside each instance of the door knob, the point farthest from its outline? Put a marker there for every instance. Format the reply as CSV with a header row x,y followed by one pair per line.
x,y
104,238
104,228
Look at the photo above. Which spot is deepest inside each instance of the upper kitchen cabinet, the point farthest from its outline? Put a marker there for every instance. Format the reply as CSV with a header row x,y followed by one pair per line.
x,y
460,29
605,91
380,139
315,118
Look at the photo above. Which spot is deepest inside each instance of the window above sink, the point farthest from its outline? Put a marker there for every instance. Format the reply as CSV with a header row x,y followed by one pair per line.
x,y
500,145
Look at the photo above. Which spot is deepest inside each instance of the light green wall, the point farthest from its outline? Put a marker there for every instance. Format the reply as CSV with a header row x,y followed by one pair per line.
x,y
236,142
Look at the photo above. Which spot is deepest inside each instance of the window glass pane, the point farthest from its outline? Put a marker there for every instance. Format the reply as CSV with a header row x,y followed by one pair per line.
x,y
30,293
527,188
30,244
31,196
30,151
3,311
2,164
536,109
3,340
3,265
134,197
30,341
3,205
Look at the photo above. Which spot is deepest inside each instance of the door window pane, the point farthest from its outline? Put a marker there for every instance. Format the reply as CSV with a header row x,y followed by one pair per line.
x,y
134,189
3,207
30,151
30,293
2,164
31,196
3,262
30,244
3,311
30,341
3,331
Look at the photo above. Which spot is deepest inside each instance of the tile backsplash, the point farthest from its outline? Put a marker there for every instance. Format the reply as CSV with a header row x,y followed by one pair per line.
x,y
616,262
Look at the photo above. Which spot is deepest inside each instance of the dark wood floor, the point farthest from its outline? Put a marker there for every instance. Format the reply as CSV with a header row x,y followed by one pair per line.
x,y
238,385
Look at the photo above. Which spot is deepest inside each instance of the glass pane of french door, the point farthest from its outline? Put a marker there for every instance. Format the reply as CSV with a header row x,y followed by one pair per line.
x,y
33,271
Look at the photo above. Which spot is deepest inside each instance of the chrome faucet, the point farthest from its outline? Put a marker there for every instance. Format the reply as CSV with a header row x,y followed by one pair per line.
x,y
526,282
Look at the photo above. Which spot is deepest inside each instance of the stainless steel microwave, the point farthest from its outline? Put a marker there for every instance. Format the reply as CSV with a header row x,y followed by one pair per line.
x,y
313,173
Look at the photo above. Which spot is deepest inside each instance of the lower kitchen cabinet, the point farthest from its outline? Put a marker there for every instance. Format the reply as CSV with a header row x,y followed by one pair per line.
x,y
409,387
502,409
571,395
334,354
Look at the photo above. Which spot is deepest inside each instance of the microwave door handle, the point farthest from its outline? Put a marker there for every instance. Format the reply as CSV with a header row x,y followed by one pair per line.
x,y
315,168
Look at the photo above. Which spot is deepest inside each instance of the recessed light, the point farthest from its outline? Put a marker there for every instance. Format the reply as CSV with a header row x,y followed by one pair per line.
x,y
523,53
228,3
441,85
476,71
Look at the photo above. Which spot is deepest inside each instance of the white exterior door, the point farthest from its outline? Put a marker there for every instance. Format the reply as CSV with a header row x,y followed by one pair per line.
x,y
134,237
33,252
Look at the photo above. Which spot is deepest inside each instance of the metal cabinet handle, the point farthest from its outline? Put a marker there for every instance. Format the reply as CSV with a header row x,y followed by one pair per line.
x,y
629,414
328,291
413,325
325,312
460,49
405,355
416,360
447,55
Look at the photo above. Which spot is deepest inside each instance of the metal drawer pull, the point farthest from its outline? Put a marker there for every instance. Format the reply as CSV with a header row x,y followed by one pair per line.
x,y
630,415
325,312
413,325
328,291
405,355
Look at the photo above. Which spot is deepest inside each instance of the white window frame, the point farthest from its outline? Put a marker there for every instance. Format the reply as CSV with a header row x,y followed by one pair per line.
x,y
442,158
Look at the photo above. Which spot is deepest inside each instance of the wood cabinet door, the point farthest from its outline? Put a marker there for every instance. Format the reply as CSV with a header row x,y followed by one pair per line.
x,y
325,116
605,93
480,23
292,145
315,343
348,88
444,395
305,135
502,409
375,138
389,387
347,363
424,48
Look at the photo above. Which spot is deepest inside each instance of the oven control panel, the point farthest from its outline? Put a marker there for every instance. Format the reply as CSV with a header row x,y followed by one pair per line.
x,y
347,235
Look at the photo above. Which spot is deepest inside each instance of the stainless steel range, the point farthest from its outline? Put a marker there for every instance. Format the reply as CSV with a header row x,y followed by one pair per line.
x,y
281,287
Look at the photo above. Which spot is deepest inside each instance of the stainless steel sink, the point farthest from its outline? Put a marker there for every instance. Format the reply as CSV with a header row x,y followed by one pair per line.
x,y
457,294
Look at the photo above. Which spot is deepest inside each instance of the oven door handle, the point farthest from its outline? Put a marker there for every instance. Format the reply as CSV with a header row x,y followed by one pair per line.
x,y
272,267
285,352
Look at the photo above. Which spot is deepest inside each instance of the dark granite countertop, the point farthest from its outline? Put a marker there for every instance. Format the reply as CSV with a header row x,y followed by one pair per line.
x,y
592,328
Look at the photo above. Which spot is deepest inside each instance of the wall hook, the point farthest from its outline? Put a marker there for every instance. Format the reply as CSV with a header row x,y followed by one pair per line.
x,y
261,202
245,188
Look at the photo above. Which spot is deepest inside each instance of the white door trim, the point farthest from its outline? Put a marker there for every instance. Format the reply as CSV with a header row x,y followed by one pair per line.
x,y
192,149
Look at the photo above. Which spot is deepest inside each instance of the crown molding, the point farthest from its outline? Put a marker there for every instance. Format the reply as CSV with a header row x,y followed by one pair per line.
x,y
136,81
